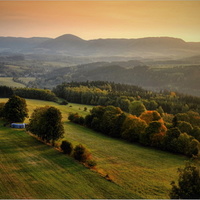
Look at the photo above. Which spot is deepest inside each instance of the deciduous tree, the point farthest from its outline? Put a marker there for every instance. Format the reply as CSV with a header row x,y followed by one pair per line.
x,y
15,110
188,183
46,123
136,108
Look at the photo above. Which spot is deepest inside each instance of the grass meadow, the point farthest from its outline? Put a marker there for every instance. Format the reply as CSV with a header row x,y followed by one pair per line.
x,y
8,81
31,170
36,170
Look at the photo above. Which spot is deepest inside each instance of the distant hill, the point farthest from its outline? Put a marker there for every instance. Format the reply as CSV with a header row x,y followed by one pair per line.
x,y
68,43
180,78
71,45
18,44
142,47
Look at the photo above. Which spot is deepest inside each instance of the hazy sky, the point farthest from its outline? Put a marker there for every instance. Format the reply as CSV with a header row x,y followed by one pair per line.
x,y
101,19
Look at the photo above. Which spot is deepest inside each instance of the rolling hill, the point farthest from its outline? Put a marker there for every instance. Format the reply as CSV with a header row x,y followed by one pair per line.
x,y
72,45
30,169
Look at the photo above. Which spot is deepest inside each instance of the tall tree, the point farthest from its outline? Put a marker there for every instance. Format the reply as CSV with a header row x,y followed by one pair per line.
x,y
46,123
15,110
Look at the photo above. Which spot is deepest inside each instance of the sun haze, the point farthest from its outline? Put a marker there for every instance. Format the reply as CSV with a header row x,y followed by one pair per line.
x,y
101,19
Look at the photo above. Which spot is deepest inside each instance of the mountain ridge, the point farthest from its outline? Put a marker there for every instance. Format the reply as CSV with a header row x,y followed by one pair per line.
x,y
72,45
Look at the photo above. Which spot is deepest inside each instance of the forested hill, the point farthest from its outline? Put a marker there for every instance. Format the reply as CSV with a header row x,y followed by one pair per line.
x,y
121,95
179,78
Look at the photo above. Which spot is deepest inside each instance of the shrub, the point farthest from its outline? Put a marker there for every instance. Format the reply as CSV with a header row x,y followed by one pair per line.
x,y
76,118
188,183
81,120
66,147
64,102
91,163
81,153
71,116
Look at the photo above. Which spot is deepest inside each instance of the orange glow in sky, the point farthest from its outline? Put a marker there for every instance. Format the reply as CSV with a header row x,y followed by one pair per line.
x,y
101,19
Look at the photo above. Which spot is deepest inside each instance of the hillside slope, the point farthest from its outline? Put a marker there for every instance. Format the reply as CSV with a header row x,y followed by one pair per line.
x,y
137,172
31,170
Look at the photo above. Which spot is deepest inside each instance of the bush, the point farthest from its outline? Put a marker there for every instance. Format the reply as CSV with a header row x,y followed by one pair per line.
x,y
64,102
188,183
81,153
76,118
91,163
66,147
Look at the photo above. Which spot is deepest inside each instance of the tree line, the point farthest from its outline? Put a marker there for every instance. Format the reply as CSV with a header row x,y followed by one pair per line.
x,y
148,129
29,93
122,95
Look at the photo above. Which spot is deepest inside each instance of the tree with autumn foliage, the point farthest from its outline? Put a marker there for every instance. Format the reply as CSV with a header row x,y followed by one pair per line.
x,y
153,131
150,116
132,128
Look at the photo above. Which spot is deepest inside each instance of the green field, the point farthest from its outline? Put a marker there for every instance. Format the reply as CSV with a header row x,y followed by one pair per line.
x,y
27,79
7,81
42,172
30,169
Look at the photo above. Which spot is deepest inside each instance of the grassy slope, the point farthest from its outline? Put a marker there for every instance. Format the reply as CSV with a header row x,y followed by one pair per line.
x,y
30,169
7,81
144,172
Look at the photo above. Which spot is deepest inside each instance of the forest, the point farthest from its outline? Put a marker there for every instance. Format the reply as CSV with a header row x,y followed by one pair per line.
x,y
122,95
165,120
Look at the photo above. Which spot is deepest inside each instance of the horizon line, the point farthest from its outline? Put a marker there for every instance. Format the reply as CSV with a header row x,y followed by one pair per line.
x,y
128,38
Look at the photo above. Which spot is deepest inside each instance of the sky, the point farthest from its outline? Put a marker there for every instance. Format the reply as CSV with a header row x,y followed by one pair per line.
x,y
101,19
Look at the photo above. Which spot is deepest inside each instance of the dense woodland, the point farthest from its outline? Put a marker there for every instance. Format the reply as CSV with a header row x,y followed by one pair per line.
x,y
122,95
164,120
